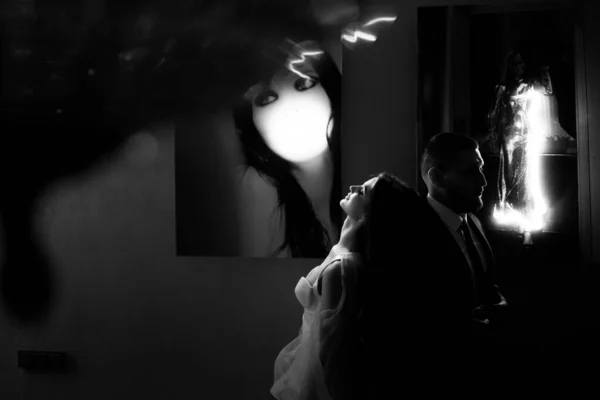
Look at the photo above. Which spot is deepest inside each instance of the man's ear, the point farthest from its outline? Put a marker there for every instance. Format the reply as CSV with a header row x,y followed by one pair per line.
x,y
436,177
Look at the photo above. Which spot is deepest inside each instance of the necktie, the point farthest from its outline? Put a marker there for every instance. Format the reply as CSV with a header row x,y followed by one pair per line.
x,y
474,257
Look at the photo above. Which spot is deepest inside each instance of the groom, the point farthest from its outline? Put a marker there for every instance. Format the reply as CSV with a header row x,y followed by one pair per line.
x,y
461,302
460,260
444,304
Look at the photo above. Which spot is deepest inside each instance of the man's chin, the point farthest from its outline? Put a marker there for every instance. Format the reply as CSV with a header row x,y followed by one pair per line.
x,y
476,205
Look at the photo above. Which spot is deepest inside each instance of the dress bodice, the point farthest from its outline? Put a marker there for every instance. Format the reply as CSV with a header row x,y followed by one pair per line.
x,y
299,373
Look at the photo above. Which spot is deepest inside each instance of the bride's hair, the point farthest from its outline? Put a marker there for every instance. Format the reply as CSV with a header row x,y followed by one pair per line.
x,y
393,205
391,238
386,232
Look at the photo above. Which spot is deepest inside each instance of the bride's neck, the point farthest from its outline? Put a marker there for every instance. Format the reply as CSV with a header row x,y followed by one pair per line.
x,y
348,234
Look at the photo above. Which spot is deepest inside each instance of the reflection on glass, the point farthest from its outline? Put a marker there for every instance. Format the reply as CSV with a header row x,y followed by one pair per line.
x,y
523,124
505,75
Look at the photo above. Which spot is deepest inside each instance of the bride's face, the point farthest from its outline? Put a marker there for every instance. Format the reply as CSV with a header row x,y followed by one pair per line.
x,y
356,203
292,115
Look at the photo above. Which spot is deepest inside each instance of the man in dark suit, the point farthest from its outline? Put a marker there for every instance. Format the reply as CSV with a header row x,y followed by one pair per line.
x,y
437,304
452,169
464,304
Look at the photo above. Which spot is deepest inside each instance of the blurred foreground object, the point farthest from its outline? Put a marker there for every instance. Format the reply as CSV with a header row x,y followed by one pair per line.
x,y
79,78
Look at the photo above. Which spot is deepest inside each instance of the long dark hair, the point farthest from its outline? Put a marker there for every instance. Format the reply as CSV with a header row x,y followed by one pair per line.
x,y
392,234
304,233
383,237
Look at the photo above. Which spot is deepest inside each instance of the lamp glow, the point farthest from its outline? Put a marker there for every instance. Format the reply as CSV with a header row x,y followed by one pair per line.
x,y
532,218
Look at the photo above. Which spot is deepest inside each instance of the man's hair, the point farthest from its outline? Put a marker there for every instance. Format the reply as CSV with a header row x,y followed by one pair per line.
x,y
442,149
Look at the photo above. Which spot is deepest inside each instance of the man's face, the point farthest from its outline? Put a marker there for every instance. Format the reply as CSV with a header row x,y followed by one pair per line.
x,y
464,182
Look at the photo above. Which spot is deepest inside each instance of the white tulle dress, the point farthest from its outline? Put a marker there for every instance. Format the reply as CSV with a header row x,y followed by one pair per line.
x,y
324,335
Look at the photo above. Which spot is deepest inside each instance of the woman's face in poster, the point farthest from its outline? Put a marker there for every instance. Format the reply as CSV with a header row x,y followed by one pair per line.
x,y
292,115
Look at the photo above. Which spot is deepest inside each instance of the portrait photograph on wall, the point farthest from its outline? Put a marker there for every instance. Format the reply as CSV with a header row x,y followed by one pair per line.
x,y
261,178
245,87
506,76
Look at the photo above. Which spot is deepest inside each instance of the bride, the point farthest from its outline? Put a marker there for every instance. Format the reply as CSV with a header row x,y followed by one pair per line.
x,y
326,360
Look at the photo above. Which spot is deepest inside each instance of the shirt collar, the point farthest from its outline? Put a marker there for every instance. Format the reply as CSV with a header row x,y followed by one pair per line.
x,y
450,218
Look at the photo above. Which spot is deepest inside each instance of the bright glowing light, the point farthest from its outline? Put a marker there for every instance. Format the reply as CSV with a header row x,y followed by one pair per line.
x,y
359,33
301,60
532,218
380,19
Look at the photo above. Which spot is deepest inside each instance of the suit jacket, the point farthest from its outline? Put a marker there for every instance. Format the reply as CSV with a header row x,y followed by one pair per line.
x,y
426,323
434,287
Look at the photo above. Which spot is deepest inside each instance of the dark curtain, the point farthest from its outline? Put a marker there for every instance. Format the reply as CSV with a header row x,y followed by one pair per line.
x,y
443,57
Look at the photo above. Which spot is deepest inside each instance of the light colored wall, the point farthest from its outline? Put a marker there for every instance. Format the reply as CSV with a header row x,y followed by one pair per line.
x,y
141,322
